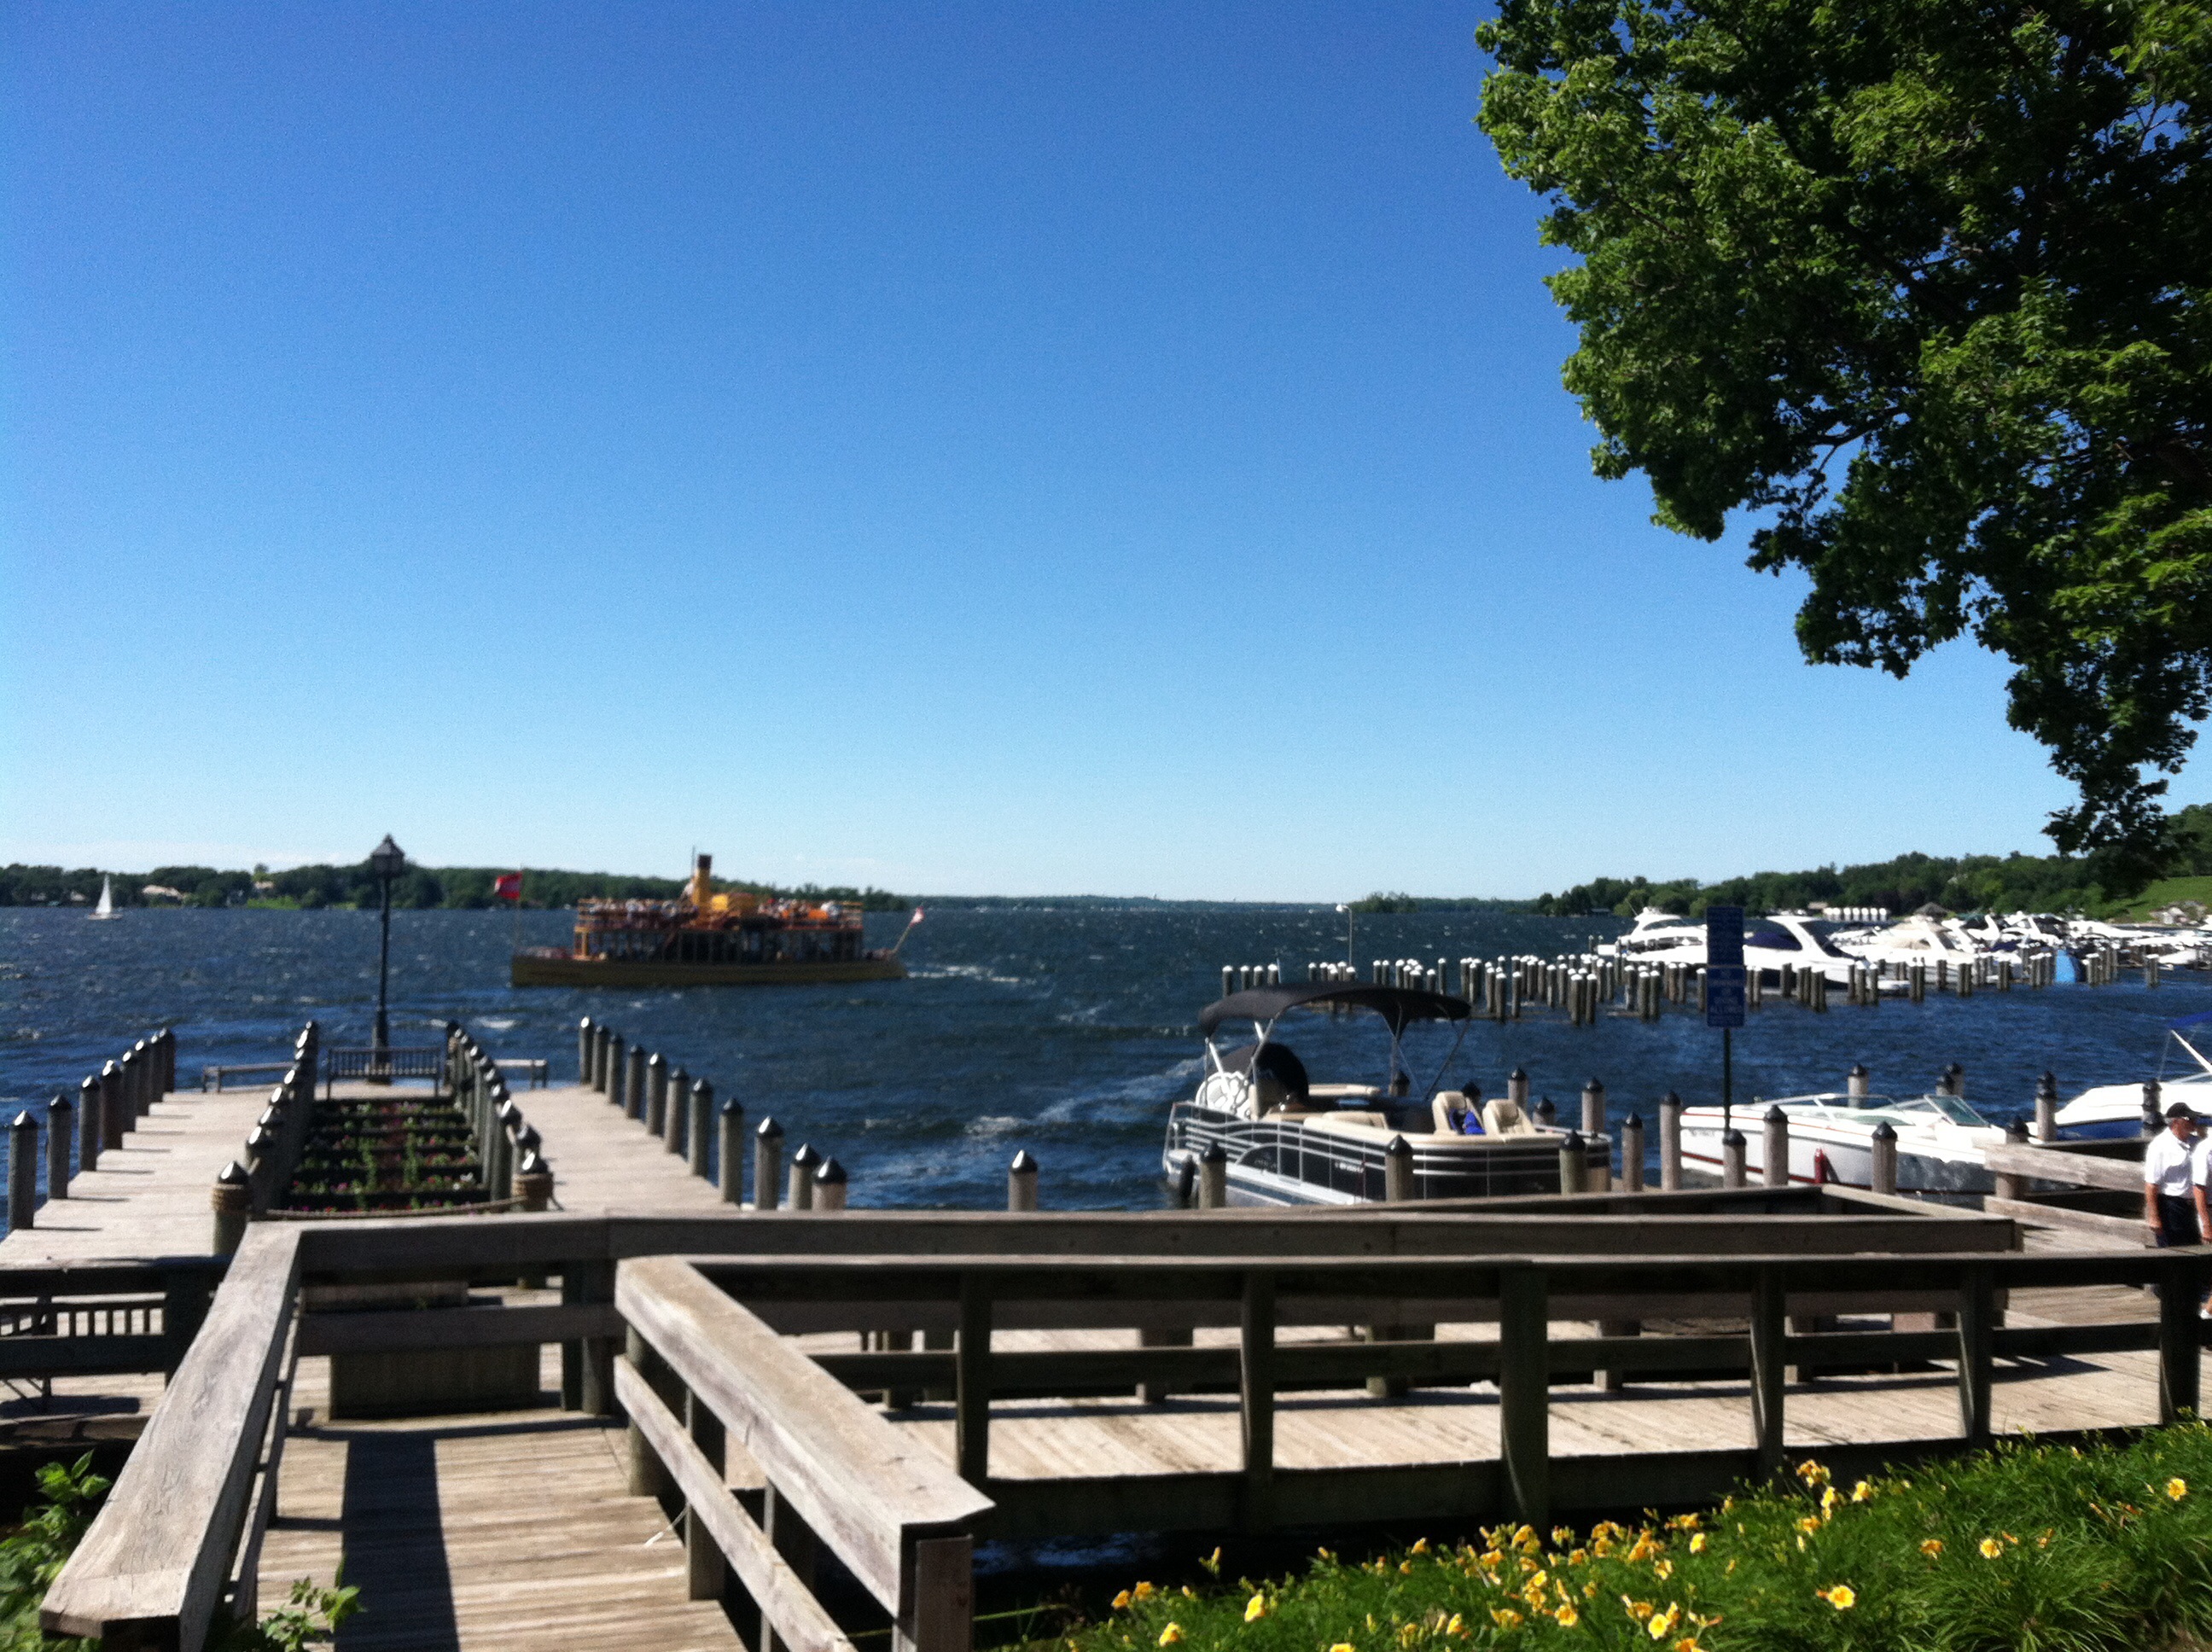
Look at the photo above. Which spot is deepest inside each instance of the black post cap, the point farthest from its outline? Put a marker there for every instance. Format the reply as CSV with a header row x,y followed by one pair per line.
x,y
830,1170
1214,1154
769,1130
1024,1163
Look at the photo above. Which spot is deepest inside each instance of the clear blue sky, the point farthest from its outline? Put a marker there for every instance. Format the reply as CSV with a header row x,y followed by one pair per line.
x,y
1024,448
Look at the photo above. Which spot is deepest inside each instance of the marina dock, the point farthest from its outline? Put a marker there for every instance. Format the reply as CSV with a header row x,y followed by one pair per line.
x,y
636,1417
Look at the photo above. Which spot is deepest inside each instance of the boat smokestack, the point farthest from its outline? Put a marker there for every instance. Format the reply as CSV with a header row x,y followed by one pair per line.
x,y
701,866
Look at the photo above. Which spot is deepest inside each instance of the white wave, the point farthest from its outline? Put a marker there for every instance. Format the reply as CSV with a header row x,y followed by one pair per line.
x,y
498,1023
993,1125
967,972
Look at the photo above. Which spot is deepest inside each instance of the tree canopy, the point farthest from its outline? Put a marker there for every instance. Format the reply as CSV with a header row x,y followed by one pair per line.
x,y
1920,283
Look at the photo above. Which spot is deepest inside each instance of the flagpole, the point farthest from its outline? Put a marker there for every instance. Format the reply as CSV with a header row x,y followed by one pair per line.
x,y
908,931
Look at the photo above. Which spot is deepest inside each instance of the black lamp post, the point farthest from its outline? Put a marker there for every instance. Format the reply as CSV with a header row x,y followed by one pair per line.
x,y
388,860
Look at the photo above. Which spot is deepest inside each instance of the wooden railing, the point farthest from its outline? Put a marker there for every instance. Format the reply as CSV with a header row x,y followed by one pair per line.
x,y
179,1534
380,1065
705,1380
101,1319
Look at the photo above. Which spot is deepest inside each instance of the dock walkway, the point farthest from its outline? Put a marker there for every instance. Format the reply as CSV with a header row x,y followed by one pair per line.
x,y
603,1160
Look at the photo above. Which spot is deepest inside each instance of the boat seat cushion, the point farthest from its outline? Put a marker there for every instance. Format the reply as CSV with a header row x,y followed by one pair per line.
x,y
1501,1117
1447,1112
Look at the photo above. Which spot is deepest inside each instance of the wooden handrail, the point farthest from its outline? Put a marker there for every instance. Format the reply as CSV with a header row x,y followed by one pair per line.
x,y
151,1569
863,1486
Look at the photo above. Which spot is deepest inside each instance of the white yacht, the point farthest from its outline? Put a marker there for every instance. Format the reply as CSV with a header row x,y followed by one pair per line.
x,y
1938,1140
2108,1110
1797,939
1290,1141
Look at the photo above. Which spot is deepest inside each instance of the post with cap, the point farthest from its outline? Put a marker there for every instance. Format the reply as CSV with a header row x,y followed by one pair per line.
x,y
89,1125
233,1206
767,1167
1774,1151
703,1125
672,1127
2010,1184
656,1095
634,1082
1398,1171
829,1186
1732,1153
1594,1109
22,1171
1573,1151
1883,1175
584,1053
533,1181
386,861
1670,1143
1213,1177
802,1178
2046,1108
733,1144
60,1120
1021,1182
1855,1082
617,1061
1631,1153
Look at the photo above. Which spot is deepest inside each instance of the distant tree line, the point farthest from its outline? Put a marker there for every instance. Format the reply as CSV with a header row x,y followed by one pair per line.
x,y
1381,901
1974,883
309,888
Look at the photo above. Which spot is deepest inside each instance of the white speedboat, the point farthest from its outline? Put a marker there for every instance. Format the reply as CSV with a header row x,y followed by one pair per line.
x,y
1795,940
1290,1141
1938,1140
2117,1110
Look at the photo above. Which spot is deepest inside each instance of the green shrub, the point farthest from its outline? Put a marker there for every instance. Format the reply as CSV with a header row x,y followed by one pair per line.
x,y
2028,1548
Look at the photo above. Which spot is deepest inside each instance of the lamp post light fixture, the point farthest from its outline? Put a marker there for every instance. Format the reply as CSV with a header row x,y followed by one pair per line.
x,y
388,860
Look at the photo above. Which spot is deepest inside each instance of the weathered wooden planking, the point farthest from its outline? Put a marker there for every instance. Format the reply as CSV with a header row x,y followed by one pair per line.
x,y
151,1196
603,1159
153,1563
853,1480
484,1532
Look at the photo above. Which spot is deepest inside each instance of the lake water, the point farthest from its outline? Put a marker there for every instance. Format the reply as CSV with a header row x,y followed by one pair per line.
x,y
1066,1032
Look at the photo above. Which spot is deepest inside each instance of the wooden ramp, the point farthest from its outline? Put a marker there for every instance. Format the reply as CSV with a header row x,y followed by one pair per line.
x,y
505,1529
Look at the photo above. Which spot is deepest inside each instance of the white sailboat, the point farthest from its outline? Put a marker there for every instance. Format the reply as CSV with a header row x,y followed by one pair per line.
x,y
107,906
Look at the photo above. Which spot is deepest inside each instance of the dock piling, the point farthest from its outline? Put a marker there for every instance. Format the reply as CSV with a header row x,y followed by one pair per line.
x,y
2010,1184
60,1120
89,1124
1398,1171
672,1124
584,1053
656,1095
829,1186
2046,1108
1594,1109
767,1167
1631,1153
234,1205
634,1082
1021,1182
1855,1082
733,1152
617,1059
22,1171
703,1124
1732,1156
1774,1150
1884,1173
1670,1143
802,1178
1214,1178
1573,1153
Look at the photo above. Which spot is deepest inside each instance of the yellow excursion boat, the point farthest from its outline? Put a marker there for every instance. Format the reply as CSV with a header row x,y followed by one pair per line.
x,y
705,939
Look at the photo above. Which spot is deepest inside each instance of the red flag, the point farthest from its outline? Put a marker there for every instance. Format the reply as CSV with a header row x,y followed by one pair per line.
x,y
507,886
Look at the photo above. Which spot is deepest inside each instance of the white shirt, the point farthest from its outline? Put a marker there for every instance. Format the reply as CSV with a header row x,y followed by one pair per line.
x,y
2171,1166
2200,1162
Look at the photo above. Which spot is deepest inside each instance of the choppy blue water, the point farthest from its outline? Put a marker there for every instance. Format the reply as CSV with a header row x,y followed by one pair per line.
x,y
1067,1032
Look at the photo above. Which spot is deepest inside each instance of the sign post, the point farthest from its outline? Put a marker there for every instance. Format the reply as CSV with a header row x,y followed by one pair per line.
x,y
1725,992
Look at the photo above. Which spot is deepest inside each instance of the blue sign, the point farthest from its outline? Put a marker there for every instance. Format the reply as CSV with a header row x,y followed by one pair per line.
x,y
1724,937
1724,993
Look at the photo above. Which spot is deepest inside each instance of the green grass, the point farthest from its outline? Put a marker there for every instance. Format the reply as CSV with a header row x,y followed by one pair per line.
x,y
2167,891
2029,1548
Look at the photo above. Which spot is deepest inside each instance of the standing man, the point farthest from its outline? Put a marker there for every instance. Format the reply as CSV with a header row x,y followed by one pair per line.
x,y
2171,1196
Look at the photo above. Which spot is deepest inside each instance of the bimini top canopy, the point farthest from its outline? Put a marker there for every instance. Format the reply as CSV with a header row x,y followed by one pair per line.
x,y
1396,1004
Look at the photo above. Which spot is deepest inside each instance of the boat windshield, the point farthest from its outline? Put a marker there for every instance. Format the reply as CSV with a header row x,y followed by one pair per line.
x,y
1949,1108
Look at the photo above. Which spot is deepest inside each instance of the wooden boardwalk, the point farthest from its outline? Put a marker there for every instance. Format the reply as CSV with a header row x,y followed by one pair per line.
x,y
603,1160
493,1530
151,1196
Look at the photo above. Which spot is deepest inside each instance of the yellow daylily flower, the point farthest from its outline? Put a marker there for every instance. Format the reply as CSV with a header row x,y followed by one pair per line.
x,y
1843,1597
1256,1608
1171,1634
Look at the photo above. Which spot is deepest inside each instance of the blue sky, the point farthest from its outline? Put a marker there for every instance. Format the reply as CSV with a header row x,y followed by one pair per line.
x,y
1025,448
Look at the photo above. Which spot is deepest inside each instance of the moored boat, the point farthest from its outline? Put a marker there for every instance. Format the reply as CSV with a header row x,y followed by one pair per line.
x,y
1938,1140
702,938
1288,1140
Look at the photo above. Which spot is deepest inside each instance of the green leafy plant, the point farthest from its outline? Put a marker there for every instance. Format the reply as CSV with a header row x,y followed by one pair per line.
x,y
32,1557
310,1616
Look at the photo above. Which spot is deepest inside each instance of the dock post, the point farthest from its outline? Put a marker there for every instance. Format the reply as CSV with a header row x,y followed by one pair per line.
x,y
656,1094
1524,1393
672,1121
1594,1109
1546,1115
971,1403
1953,1082
2009,1183
89,1124
829,1186
602,1039
1021,1182
1631,1153
1978,1318
649,1476
61,1118
732,1144
1774,1150
1855,1082
1516,1091
22,1171
1768,1370
533,1181
2180,1338
703,1125
1256,1397
634,1082
802,1178
1397,1171
617,1058
1214,1178
768,1169
1732,1145
142,1088
1670,1143
1884,1156
584,1053
233,1206
2046,1108
703,1564
1572,1154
